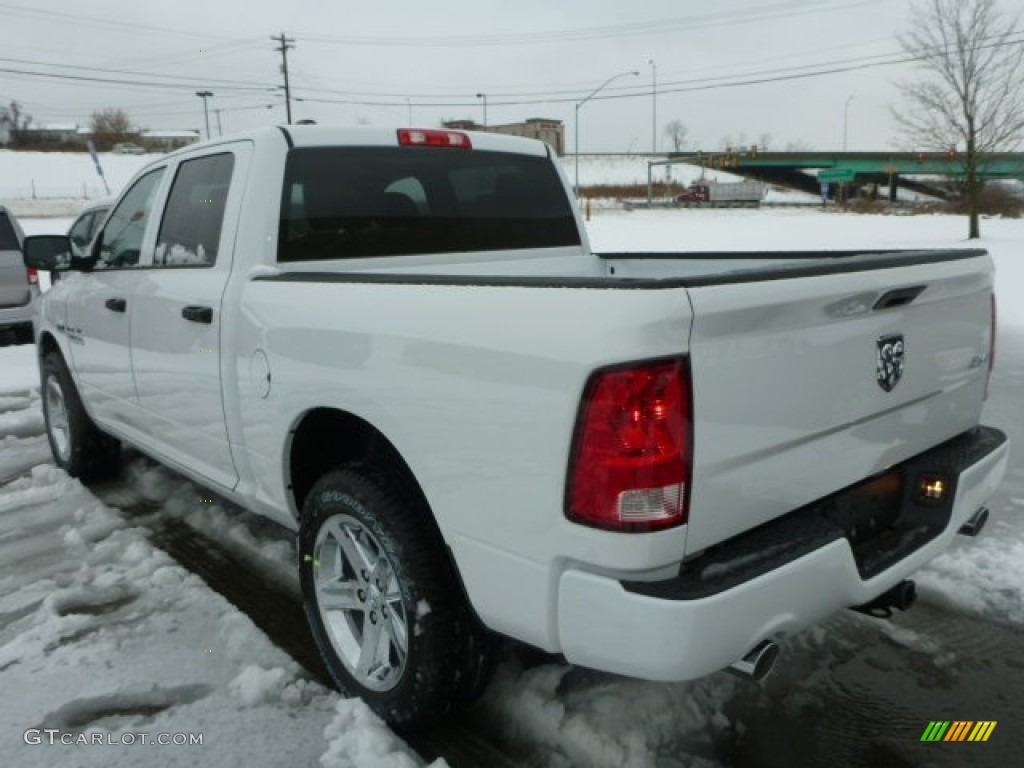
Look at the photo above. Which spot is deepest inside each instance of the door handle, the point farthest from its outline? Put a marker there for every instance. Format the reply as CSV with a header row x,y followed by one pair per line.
x,y
198,314
116,305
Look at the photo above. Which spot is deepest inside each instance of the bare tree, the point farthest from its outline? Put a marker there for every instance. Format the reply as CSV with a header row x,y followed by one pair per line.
x,y
969,97
16,121
112,126
676,133
734,143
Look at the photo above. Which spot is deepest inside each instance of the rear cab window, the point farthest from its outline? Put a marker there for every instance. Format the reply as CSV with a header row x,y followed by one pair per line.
x,y
341,203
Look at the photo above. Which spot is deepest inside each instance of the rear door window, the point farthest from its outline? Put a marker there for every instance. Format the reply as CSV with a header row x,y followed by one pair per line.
x,y
343,203
190,231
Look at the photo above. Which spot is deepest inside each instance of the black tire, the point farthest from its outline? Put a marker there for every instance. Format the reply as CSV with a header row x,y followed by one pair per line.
x,y
90,454
447,660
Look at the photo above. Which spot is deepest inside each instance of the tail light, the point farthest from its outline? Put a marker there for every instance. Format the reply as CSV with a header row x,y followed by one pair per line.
x,y
408,137
991,347
33,276
632,453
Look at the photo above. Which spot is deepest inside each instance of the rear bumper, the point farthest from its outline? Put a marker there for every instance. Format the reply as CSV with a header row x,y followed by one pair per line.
x,y
773,581
20,315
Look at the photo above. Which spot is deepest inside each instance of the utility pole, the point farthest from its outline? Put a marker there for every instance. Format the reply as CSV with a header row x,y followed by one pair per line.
x,y
220,131
484,97
287,43
204,95
846,119
654,100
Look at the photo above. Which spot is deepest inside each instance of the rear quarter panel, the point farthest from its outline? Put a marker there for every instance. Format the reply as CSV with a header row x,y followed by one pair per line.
x,y
478,388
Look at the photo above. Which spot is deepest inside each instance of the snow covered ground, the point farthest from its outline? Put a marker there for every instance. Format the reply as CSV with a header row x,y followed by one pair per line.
x,y
632,169
25,175
103,635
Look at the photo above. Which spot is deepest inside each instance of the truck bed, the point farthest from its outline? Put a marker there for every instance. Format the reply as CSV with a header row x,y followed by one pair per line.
x,y
783,348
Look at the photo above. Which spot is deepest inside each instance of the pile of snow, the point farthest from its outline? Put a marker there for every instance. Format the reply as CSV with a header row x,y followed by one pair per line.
x,y
106,635
985,577
360,739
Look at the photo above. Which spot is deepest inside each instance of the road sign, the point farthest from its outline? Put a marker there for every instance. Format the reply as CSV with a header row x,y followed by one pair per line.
x,y
836,175
96,161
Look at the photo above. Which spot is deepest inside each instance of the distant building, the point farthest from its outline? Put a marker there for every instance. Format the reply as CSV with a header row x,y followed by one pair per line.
x,y
547,130
168,140
52,133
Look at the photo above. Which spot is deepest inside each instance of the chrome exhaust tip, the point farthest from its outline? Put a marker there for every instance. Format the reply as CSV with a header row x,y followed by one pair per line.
x,y
758,663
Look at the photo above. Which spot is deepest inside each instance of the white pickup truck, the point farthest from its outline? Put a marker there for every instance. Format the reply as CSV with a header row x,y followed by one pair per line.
x,y
400,345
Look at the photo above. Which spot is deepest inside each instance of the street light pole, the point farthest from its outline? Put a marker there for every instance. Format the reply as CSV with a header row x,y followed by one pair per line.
x,y
204,95
654,106
846,119
484,97
576,121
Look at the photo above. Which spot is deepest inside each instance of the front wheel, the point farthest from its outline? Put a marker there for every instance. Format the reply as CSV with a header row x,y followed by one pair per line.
x,y
382,599
79,447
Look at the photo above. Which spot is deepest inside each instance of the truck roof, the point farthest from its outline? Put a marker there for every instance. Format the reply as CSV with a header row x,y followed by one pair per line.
x,y
328,135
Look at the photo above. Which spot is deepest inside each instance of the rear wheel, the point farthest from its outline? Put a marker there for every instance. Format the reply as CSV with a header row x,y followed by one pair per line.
x,y
383,600
79,447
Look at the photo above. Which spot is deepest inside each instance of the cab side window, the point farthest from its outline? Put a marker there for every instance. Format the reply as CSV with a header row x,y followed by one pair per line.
x,y
190,231
120,242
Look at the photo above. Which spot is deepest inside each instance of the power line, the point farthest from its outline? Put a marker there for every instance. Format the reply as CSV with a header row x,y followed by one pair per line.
x,y
707,84
220,82
779,10
106,22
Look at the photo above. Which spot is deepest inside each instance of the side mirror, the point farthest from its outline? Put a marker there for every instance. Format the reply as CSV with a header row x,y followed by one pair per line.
x,y
47,252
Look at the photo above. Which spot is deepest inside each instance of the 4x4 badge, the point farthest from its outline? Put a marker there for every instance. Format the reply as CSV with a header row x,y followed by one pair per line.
x,y
889,361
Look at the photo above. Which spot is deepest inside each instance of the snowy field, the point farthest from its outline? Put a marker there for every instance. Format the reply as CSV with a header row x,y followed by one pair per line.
x,y
105,635
48,175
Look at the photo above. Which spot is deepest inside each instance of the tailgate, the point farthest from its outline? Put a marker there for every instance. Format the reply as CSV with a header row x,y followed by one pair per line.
x,y
806,385
14,290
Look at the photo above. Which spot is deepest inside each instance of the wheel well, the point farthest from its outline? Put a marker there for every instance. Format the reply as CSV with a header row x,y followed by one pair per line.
x,y
48,344
326,438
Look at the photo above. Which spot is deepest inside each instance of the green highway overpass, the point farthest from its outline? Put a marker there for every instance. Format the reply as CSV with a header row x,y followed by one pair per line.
x,y
807,170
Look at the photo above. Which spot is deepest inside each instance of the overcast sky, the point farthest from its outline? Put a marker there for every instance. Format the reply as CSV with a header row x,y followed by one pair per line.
x,y
375,63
